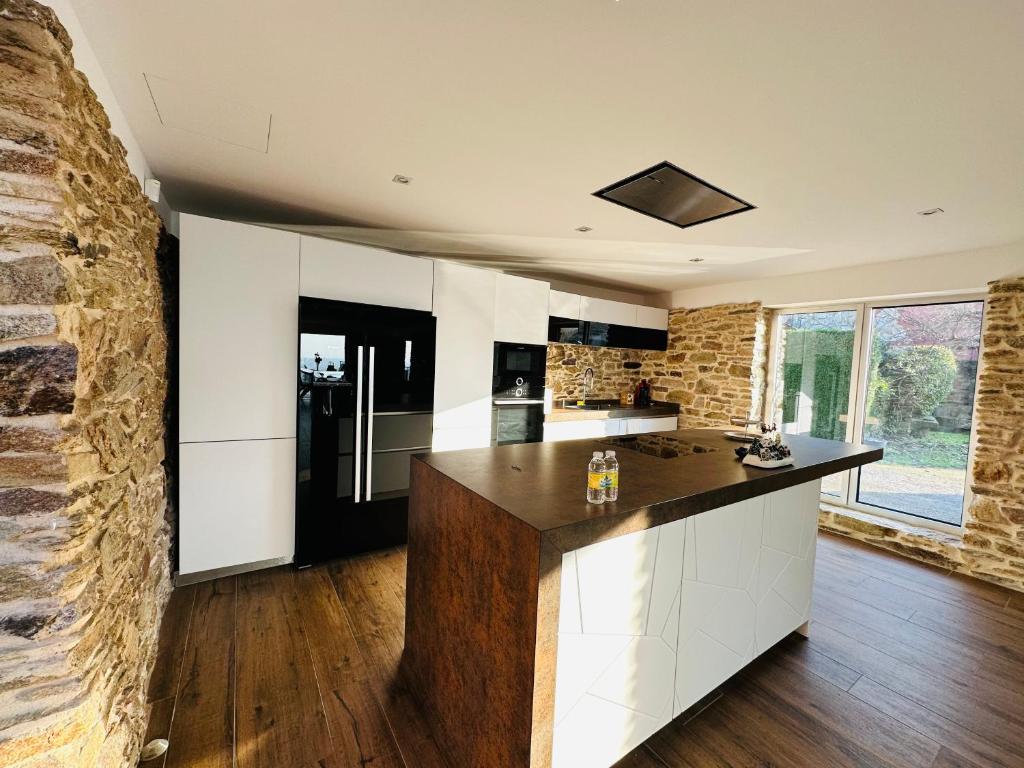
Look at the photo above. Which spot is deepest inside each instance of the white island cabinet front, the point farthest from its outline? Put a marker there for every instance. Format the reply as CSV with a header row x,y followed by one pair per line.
x,y
653,621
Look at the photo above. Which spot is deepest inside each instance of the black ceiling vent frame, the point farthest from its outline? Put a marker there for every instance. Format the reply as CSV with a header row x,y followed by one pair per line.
x,y
668,193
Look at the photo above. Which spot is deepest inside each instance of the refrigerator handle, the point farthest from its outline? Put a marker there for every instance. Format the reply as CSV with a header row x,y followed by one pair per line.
x,y
359,423
369,427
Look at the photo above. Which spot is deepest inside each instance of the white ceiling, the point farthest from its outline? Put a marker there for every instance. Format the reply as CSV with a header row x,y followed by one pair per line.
x,y
837,120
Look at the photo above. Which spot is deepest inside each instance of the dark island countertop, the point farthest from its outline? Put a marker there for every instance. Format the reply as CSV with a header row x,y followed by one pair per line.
x,y
609,409
673,475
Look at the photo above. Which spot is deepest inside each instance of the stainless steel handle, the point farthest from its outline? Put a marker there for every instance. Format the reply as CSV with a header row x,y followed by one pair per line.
x,y
518,401
359,422
369,428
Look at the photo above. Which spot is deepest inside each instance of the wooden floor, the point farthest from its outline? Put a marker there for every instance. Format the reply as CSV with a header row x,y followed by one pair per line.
x,y
906,665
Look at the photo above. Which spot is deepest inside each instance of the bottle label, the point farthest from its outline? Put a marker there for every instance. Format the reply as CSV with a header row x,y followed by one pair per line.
x,y
611,479
595,480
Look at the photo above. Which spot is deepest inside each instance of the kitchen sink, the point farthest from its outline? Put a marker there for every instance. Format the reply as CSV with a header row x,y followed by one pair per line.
x,y
594,405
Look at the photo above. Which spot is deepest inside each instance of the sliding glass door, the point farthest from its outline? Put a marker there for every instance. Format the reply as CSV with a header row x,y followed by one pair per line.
x,y
901,376
919,402
815,360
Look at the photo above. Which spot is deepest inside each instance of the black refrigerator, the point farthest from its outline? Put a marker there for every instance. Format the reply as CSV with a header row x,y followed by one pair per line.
x,y
365,406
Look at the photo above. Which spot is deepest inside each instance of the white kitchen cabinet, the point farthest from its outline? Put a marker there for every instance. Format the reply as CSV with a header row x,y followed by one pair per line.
x,y
238,326
556,431
605,311
464,306
562,304
237,503
652,317
331,269
584,429
748,572
616,663
656,424
657,619
520,310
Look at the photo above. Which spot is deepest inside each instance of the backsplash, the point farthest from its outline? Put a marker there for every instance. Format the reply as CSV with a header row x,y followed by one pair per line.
x,y
568,362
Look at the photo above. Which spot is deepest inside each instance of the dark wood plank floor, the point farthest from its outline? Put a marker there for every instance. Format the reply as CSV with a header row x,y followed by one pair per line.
x,y
906,665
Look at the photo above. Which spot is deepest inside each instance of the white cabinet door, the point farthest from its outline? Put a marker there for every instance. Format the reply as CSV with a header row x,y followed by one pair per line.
x,y
616,645
464,306
748,574
238,299
652,317
657,424
348,272
561,304
555,431
520,310
237,503
605,311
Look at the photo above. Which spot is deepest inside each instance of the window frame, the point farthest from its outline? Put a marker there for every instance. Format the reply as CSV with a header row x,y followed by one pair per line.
x,y
856,405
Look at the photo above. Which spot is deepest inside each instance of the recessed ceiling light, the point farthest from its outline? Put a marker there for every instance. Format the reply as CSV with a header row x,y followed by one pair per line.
x,y
400,179
584,228
930,212
697,259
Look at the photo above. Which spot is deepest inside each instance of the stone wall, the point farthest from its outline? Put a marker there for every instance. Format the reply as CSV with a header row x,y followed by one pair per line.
x,y
715,366
84,573
992,544
716,363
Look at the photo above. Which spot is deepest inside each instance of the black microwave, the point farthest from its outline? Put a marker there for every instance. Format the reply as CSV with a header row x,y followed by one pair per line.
x,y
519,369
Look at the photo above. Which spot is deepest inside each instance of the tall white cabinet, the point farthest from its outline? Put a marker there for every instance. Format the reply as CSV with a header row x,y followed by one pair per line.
x,y
464,306
238,334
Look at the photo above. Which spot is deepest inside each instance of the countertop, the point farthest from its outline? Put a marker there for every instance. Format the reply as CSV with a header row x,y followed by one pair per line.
x,y
613,411
544,484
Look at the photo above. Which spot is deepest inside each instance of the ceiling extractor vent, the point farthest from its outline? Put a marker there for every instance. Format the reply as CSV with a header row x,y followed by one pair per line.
x,y
667,192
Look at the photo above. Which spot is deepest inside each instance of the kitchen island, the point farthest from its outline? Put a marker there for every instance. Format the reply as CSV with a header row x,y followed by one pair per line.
x,y
545,631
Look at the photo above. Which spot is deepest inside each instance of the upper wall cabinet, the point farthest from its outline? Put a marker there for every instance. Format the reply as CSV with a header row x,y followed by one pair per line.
x,y
238,331
604,323
652,317
346,272
610,312
568,305
520,310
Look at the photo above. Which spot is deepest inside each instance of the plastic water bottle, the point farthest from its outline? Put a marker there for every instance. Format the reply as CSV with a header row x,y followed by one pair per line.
x,y
596,479
611,476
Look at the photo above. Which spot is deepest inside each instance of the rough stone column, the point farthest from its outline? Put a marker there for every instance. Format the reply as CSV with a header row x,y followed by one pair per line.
x,y
994,527
716,363
83,546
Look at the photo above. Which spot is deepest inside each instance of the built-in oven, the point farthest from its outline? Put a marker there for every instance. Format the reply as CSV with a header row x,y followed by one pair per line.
x,y
517,421
518,393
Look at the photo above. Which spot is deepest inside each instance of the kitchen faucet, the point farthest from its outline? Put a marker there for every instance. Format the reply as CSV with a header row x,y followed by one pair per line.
x,y
588,382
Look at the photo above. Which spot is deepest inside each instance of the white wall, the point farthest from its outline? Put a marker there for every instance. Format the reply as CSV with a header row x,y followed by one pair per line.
x,y
950,273
87,63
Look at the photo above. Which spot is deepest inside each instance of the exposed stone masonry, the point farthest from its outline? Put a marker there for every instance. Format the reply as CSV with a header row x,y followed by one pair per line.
x,y
715,366
83,546
992,544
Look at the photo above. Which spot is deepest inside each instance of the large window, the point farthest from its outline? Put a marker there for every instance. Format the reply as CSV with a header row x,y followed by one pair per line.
x,y
901,376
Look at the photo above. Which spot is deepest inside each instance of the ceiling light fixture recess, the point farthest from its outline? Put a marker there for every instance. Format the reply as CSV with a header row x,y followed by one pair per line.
x,y
930,212
400,179
584,228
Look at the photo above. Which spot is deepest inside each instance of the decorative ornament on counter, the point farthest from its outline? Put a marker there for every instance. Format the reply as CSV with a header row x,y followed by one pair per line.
x,y
767,451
